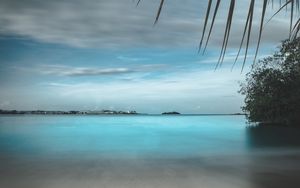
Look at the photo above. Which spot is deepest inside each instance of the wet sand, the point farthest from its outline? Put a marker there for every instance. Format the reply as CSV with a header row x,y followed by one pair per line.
x,y
261,170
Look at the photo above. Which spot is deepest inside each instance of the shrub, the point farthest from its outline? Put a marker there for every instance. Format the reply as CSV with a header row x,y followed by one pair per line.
x,y
272,87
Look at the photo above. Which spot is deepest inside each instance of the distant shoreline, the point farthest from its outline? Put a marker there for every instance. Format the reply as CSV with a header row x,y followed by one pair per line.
x,y
103,113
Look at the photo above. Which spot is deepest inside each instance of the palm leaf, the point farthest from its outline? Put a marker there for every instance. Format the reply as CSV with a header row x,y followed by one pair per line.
x,y
205,24
279,10
294,28
227,33
159,11
250,13
251,10
261,27
212,23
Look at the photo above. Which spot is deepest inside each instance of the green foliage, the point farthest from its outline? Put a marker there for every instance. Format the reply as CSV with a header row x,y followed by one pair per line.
x,y
272,88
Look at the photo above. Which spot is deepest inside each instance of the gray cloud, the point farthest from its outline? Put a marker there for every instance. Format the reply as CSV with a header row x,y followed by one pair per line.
x,y
62,70
119,24
80,71
131,59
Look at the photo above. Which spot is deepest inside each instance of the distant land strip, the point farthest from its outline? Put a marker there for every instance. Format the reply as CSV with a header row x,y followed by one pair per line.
x,y
100,112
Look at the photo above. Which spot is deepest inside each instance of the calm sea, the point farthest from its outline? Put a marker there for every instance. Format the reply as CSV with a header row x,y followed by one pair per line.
x,y
145,151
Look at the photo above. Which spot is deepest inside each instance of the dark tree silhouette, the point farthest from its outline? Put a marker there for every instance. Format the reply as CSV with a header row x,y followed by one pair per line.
x,y
272,87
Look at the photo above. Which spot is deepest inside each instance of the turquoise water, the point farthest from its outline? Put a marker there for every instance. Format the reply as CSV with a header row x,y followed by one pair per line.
x,y
122,136
39,151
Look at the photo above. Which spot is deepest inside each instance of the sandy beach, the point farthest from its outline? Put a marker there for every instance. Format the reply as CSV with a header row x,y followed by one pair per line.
x,y
259,171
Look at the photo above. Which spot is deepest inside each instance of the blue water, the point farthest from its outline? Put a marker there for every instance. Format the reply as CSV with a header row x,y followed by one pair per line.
x,y
122,136
38,151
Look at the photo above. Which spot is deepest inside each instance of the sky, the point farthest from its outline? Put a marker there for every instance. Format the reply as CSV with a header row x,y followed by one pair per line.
x,y
107,54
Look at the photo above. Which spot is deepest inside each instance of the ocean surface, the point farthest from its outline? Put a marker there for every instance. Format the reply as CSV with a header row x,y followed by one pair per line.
x,y
38,151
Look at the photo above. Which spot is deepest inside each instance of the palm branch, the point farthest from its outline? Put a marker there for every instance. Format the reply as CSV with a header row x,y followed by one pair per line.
x,y
211,14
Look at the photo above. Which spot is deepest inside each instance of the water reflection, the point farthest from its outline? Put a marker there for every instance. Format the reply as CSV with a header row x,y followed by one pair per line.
x,y
272,137
274,156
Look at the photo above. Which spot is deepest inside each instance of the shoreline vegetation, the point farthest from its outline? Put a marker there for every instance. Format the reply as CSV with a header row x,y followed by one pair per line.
x,y
272,87
91,112
71,112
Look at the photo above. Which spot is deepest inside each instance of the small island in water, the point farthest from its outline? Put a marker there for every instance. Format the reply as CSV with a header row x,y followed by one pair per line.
x,y
170,113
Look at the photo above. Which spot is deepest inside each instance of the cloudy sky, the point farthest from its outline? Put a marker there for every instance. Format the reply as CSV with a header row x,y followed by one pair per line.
x,y
107,54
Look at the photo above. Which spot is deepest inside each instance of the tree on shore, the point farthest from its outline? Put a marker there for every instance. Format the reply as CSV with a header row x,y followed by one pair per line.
x,y
272,87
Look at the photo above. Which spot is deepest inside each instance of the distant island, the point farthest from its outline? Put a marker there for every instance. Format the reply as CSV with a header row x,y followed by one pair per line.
x,y
96,112
170,113
72,112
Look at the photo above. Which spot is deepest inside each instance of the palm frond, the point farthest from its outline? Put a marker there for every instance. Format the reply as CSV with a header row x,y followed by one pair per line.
x,y
248,28
250,15
138,2
261,27
227,33
159,10
294,28
212,23
205,24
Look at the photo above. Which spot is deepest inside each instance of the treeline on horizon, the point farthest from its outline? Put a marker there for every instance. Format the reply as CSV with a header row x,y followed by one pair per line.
x,y
72,112
91,112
